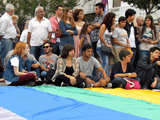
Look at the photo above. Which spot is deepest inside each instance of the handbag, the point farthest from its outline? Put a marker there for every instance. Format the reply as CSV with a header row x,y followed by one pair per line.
x,y
106,50
131,84
58,33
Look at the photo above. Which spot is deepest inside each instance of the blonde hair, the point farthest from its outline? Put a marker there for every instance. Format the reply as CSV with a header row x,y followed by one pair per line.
x,y
64,17
19,48
15,17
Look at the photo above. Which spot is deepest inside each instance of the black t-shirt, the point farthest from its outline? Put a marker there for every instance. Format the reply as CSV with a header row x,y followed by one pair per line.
x,y
117,68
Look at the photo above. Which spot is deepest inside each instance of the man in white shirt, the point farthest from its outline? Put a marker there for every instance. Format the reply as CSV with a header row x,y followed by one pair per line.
x,y
7,32
39,31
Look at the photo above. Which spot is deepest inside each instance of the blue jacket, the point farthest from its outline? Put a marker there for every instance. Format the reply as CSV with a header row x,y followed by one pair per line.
x,y
9,72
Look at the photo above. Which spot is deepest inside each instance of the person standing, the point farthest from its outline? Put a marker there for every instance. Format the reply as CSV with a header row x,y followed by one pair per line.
x,y
55,25
120,37
99,9
131,31
15,19
7,31
78,16
39,31
24,34
68,28
105,34
148,37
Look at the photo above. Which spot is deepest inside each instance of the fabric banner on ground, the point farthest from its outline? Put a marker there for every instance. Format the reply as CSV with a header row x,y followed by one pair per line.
x,y
127,105
37,105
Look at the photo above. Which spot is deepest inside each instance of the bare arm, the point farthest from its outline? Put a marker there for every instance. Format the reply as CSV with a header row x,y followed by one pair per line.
x,y
81,41
49,35
101,33
103,73
28,38
119,43
17,73
43,68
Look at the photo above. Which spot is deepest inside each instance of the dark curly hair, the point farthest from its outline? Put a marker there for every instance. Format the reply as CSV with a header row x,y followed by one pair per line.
x,y
108,20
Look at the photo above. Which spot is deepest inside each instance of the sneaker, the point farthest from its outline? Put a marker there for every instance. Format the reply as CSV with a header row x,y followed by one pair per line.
x,y
31,83
89,85
39,83
109,85
83,84
64,84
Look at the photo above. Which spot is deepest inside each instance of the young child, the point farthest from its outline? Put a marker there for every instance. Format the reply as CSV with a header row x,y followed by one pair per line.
x,y
85,36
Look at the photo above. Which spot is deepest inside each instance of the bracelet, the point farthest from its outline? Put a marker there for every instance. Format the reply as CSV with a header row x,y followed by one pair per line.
x,y
106,79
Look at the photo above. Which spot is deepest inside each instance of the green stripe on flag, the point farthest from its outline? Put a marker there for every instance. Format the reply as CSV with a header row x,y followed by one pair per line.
x,y
127,105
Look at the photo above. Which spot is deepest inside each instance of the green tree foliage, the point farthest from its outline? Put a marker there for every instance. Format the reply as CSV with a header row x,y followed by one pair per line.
x,y
25,8
150,6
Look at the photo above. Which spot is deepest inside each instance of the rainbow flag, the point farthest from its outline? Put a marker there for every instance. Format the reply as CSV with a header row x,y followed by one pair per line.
x,y
69,103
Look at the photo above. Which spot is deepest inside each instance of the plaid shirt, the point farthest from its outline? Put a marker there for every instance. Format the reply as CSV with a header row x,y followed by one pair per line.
x,y
61,66
95,34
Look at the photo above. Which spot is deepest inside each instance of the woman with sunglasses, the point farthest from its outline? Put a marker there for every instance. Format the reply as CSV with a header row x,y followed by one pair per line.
x,y
14,75
68,69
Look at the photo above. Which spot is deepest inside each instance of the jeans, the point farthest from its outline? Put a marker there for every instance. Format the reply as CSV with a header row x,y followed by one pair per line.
x,y
55,49
94,44
6,45
43,74
28,64
120,82
134,54
143,53
37,51
1,74
104,61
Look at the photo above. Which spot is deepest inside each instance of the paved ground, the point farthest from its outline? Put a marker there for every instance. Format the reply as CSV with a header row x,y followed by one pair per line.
x,y
2,84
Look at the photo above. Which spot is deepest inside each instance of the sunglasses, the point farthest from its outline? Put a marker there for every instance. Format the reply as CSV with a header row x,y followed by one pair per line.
x,y
46,46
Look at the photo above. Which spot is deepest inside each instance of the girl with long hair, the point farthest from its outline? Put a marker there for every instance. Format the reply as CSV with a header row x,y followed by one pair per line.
x,y
105,34
85,36
68,28
67,72
148,37
78,16
14,75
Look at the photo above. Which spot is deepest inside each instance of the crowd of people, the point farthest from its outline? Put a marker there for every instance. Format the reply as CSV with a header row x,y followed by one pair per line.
x,y
65,50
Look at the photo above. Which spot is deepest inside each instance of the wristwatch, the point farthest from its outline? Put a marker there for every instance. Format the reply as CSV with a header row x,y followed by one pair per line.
x,y
106,79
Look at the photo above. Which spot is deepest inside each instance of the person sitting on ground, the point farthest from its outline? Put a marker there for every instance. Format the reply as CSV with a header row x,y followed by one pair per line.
x,y
121,70
87,64
147,69
48,61
31,64
68,69
14,74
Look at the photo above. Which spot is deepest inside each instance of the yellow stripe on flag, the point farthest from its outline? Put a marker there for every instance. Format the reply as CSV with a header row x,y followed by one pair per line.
x,y
146,95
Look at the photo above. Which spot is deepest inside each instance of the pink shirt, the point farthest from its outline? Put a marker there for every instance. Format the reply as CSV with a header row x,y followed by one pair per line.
x,y
54,23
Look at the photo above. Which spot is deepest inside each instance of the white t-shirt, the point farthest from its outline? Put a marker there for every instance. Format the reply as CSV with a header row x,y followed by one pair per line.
x,y
39,31
132,38
107,36
121,35
24,34
144,45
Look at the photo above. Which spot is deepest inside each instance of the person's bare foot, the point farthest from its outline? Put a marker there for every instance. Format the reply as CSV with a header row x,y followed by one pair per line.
x,y
1,80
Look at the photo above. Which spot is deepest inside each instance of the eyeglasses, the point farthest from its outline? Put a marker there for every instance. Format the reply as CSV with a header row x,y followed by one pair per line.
x,y
46,46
